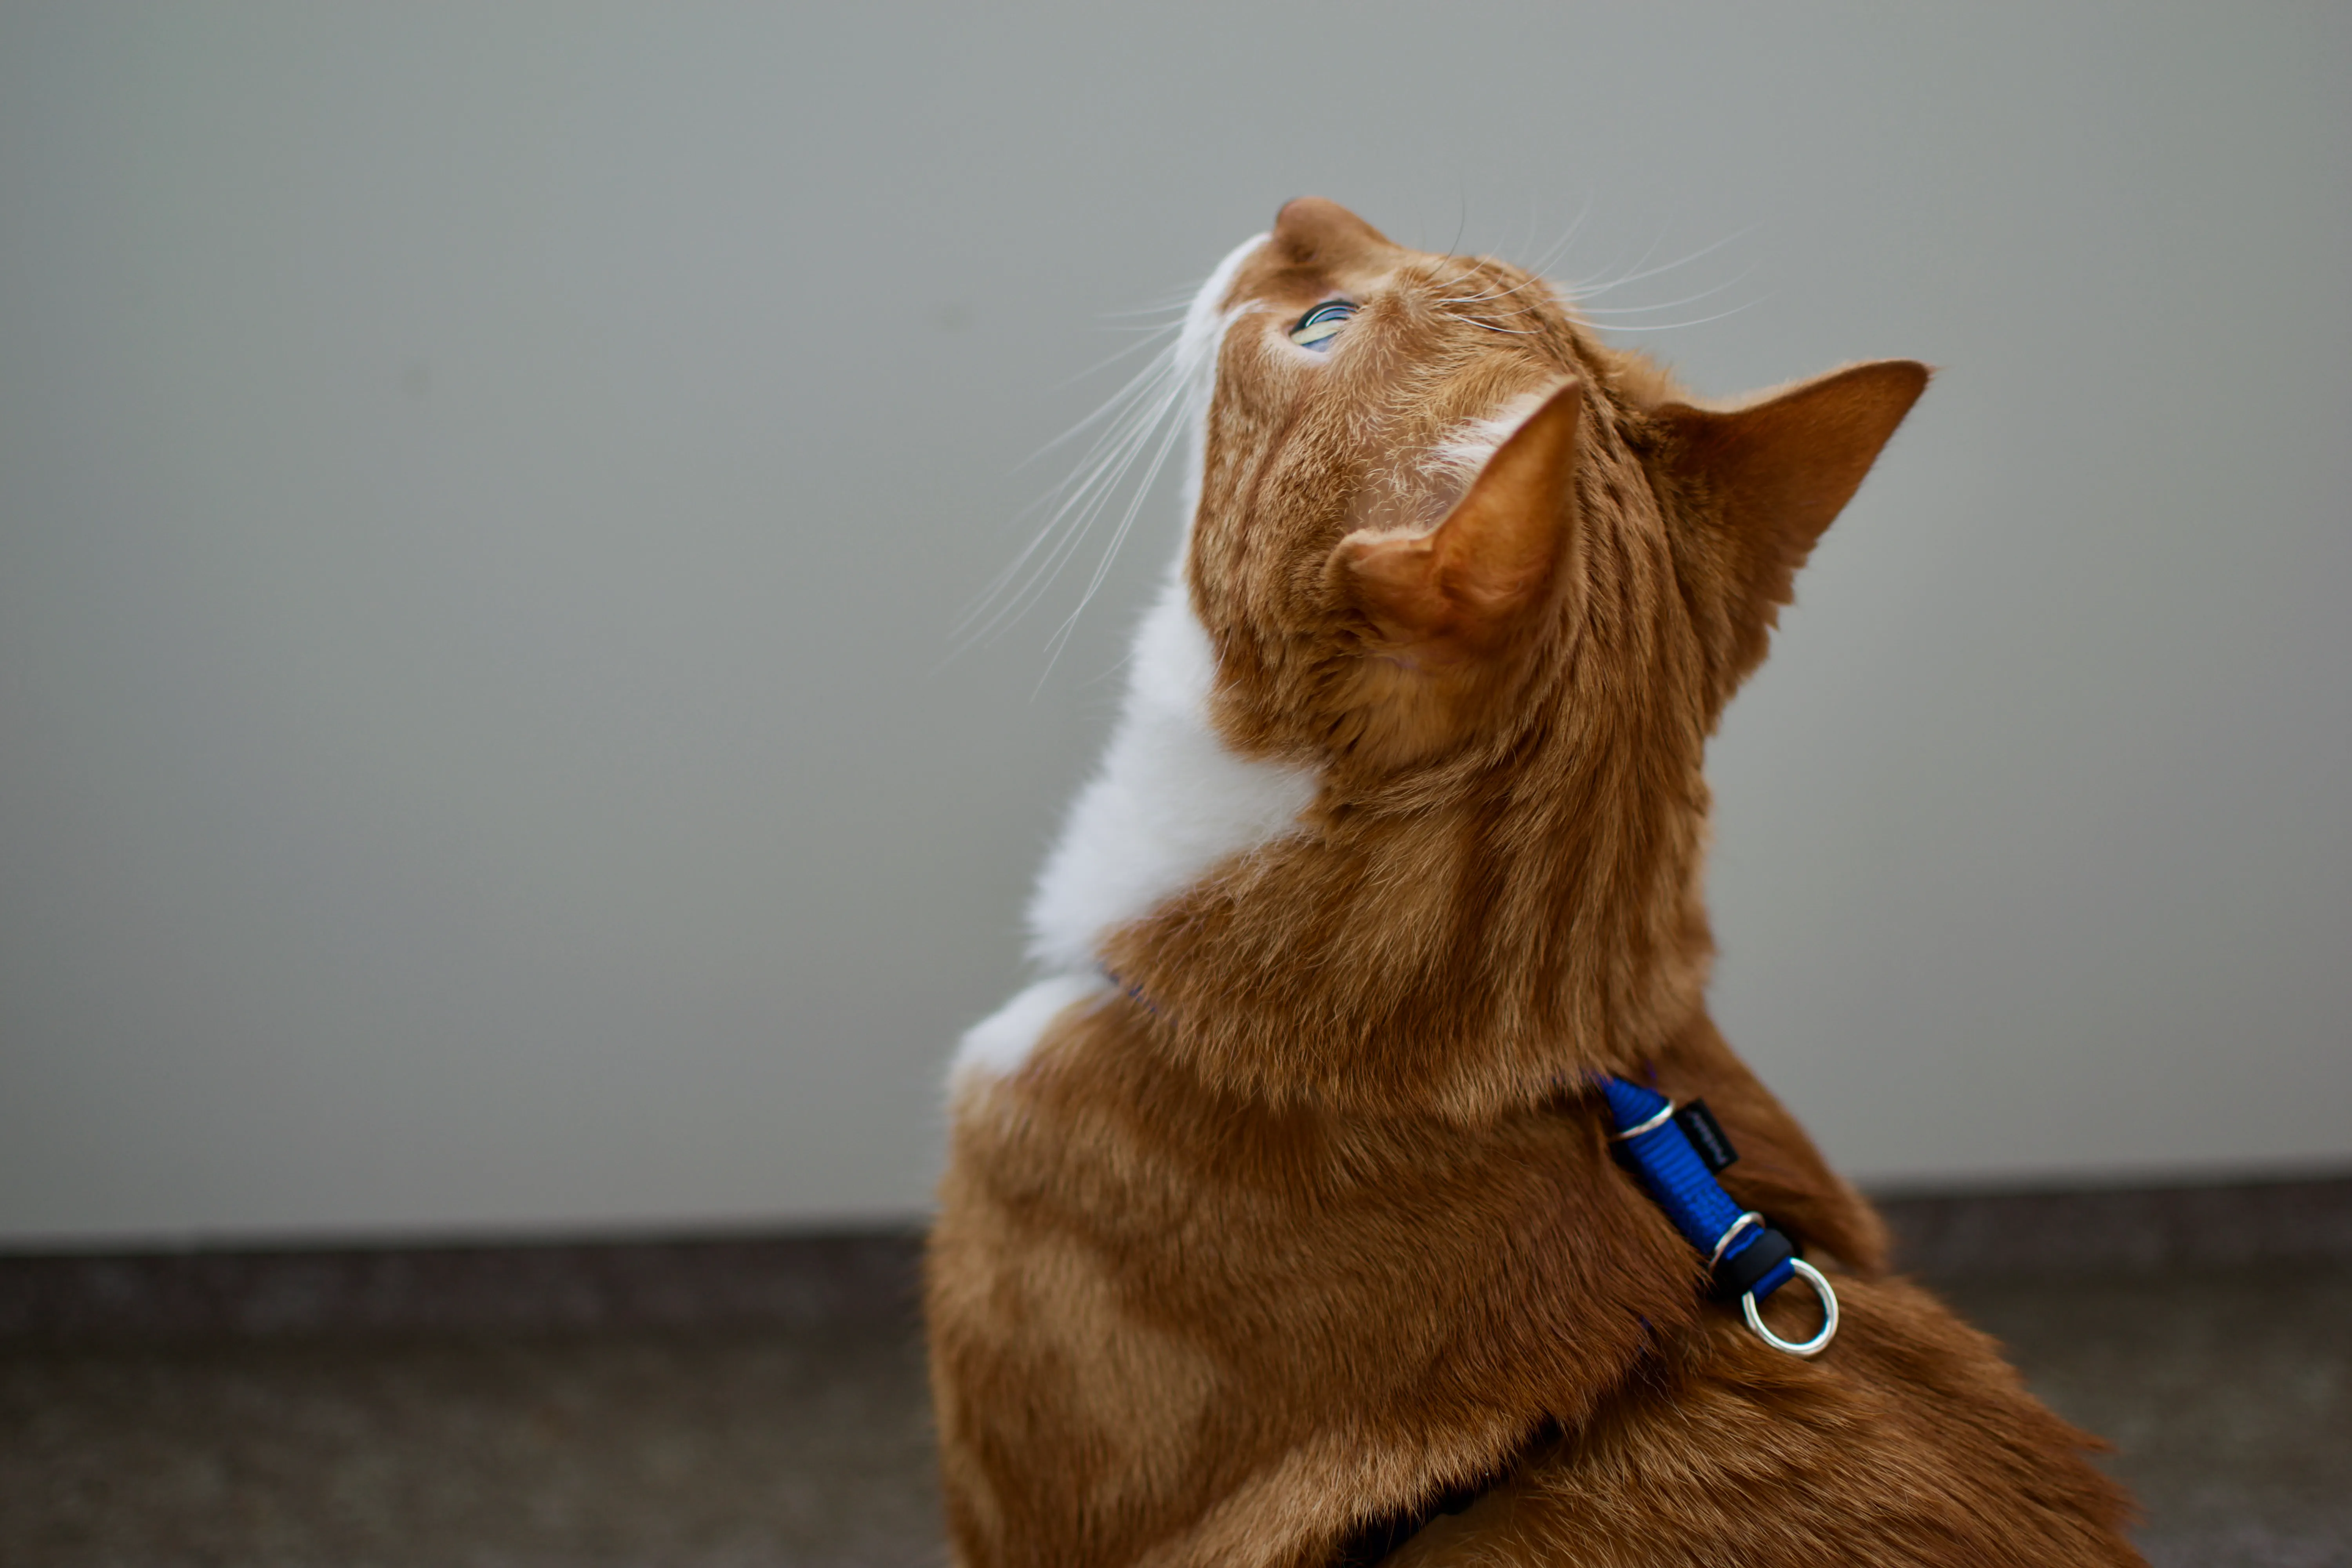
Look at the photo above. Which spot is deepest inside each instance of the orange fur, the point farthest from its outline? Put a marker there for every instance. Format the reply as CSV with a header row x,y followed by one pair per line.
x,y
1318,1220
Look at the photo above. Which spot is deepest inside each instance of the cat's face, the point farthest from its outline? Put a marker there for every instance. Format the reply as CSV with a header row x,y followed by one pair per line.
x,y
1362,425
1428,495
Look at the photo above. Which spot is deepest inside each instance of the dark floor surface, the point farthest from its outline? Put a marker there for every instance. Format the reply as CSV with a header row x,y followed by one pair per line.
x,y
2227,1394
2227,1391
714,1449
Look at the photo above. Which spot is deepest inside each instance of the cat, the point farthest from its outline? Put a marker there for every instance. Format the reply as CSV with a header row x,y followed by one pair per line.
x,y
1280,1225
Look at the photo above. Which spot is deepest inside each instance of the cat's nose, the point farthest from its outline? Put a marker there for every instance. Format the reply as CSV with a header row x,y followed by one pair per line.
x,y
1317,233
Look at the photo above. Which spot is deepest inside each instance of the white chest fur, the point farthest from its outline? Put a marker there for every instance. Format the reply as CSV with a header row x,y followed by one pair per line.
x,y
1169,801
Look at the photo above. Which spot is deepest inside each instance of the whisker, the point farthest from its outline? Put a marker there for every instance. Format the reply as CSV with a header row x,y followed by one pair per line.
x,y
1533,278
1535,273
1149,333
1135,412
1061,634
1113,449
1492,294
1640,261
1130,438
1677,326
1176,302
1599,289
1489,326
1559,245
1136,387
1665,305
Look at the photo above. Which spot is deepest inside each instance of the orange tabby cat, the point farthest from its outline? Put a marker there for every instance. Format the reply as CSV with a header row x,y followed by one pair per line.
x,y
1282,1210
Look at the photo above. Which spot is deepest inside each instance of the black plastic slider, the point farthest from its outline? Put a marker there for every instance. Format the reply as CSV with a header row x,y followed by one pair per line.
x,y
1743,1271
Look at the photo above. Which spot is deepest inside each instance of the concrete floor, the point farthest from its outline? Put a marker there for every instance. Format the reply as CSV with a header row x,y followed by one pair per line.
x,y
2227,1392
720,1450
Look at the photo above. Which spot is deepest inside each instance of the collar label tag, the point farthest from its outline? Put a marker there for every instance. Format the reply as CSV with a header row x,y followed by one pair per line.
x,y
1705,1134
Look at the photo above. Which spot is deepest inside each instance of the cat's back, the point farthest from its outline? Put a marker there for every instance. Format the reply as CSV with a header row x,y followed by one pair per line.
x,y
1916,1446
1155,1308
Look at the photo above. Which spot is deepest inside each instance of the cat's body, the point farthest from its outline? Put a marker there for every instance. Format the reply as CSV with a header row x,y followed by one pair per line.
x,y
1282,1206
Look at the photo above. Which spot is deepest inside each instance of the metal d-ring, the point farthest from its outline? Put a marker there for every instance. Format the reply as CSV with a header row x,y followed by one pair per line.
x,y
1819,1343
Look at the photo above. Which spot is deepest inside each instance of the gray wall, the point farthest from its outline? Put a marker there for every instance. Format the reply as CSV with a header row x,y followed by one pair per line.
x,y
484,491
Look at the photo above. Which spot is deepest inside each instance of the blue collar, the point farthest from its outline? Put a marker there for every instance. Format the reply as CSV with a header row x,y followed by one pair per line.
x,y
1675,1152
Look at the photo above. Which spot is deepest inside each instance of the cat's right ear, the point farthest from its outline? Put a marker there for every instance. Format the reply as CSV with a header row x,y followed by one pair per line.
x,y
1467,587
1775,471
1786,463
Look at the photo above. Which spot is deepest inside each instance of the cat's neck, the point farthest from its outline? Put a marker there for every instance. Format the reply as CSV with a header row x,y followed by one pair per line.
x,y
1465,941
1169,801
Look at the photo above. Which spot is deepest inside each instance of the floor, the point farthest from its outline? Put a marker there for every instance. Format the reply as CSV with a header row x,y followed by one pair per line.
x,y
2226,1387
2227,1394
726,1449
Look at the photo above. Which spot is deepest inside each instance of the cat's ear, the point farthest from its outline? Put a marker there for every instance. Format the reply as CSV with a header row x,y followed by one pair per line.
x,y
1778,470
1463,588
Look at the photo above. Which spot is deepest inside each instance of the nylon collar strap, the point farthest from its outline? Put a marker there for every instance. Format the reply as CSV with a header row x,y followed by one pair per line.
x,y
1675,1152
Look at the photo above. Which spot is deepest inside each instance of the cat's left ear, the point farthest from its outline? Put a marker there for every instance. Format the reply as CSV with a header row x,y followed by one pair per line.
x,y
1778,471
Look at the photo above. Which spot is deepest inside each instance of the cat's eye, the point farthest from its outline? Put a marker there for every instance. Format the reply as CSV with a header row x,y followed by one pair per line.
x,y
1320,325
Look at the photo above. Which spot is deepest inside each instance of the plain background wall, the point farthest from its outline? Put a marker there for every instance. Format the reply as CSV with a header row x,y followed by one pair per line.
x,y
484,491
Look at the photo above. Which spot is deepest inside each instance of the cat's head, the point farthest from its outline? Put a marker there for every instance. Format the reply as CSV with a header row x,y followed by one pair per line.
x,y
1433,508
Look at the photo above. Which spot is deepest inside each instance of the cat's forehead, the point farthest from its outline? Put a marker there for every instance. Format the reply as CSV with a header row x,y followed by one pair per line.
x,y
1280,271
1426,331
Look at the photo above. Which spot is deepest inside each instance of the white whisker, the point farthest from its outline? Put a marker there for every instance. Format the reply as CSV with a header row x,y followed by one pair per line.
x,y
1535,273
1677,326
1175,302
1149,333
1639,262
1129,417
1084,496
1138,386
1127,440
1174,307
1591,291
1560,247
1665,305
1142,491
1489,326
